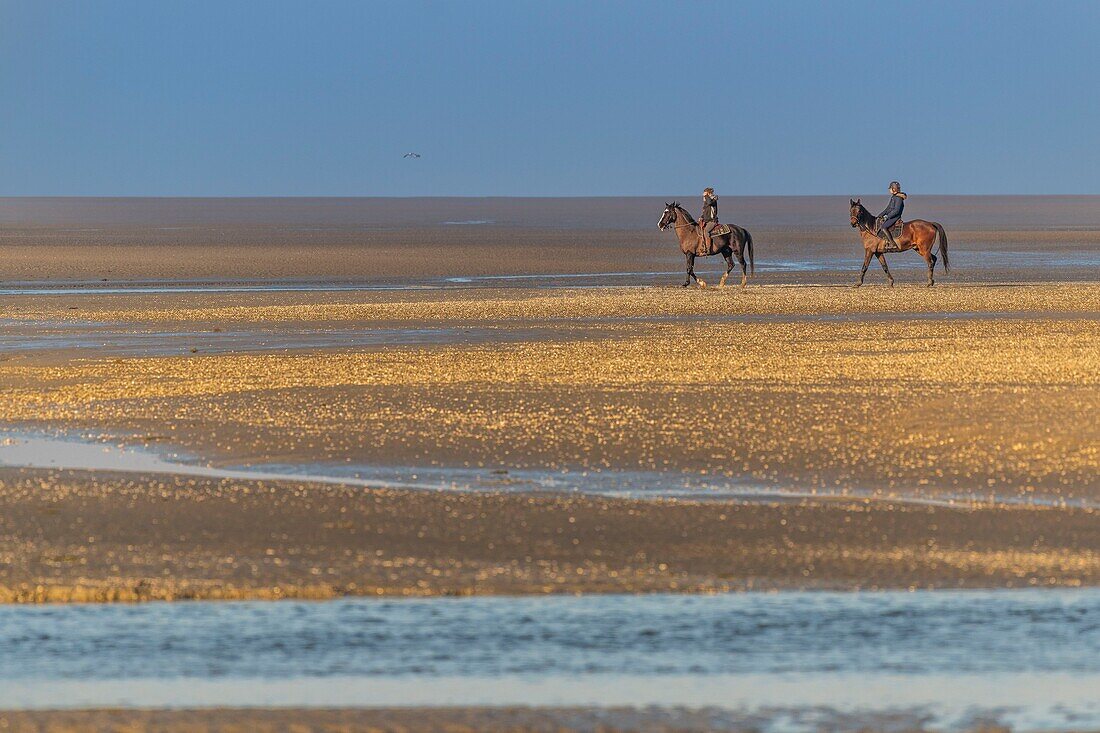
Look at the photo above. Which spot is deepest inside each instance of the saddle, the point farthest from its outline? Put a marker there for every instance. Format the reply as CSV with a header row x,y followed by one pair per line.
x,y
895,231
718,231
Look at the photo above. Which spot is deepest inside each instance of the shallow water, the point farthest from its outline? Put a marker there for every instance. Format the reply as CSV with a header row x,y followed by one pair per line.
x,y
145,339
132,340
1027,657
984,266
70,451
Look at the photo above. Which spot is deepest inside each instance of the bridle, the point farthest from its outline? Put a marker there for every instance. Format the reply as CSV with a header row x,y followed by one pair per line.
x,y
677,226
861,220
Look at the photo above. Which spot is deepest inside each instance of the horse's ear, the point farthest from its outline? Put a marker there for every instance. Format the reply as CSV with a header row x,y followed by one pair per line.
x,y
857,202
851,202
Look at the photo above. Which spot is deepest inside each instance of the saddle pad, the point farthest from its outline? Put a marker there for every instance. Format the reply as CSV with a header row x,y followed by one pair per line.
x,y
720,230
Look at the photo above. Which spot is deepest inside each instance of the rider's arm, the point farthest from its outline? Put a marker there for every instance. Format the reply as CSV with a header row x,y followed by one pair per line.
x,y
891,208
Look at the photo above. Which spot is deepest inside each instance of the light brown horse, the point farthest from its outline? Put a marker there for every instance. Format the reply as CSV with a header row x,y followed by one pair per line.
x,y
736,243
917,234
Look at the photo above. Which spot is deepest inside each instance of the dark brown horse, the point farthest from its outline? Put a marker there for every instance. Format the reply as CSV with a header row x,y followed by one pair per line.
x,y
917,234
734,244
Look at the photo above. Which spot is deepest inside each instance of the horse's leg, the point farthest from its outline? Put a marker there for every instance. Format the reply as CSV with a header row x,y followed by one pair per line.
x,y
882,261
741,261
931,260
697,278
866,261
691,271
728,254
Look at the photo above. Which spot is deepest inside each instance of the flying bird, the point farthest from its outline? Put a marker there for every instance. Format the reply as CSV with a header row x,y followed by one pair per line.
x,y
411,155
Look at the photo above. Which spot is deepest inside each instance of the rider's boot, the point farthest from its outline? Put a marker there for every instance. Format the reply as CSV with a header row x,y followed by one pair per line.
x,y
891,244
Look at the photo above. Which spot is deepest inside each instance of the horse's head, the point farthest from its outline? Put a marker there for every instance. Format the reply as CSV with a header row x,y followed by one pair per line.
x,y
667,217
856,210
671,213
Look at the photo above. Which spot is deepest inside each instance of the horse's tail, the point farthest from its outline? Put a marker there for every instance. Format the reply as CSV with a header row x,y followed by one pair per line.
x,y
748,246
942,236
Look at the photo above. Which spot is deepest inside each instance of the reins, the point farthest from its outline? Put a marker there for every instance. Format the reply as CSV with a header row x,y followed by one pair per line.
x,y
681,226
864,218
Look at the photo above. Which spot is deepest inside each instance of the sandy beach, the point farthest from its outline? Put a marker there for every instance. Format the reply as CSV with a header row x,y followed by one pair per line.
x,y
124,538
903,392
282,410
398,241
785,389
364,368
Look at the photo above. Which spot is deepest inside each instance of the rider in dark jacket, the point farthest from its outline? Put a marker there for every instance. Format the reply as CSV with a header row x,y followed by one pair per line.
x,y
892,213
710,215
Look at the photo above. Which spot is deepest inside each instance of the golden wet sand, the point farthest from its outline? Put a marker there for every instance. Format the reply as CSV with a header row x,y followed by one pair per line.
x,y
979,394
904,392
77,537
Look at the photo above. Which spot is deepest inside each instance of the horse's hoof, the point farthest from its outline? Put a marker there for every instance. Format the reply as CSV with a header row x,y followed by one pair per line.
x,y
703,285
685,284
858,285
744,281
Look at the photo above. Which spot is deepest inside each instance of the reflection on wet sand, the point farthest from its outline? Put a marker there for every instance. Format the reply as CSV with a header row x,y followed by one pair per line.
x,y
815,390
779,395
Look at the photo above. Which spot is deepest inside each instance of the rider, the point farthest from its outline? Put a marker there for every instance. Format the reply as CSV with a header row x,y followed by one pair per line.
x,y
710,215
892,213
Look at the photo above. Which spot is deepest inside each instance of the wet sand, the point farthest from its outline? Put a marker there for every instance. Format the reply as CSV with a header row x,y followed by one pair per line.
x,y
905,393
78,537
982,391
979,392
1014,238
425,720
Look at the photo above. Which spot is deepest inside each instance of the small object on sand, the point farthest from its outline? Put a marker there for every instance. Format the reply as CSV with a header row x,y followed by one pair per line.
x,y
411,155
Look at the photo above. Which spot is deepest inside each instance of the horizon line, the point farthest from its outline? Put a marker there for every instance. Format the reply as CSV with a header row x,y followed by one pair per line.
x,y
520,197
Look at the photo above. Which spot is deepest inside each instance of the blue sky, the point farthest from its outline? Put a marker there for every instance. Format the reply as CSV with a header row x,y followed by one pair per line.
x,y
549,98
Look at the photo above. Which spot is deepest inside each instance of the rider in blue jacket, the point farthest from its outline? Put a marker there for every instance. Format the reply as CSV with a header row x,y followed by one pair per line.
x,y
892,213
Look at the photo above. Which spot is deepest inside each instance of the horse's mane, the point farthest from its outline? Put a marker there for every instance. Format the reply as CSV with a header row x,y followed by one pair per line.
x,y
690,218
865,216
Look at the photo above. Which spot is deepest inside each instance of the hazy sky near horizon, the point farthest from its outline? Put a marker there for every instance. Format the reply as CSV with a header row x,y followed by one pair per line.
x,y
222,97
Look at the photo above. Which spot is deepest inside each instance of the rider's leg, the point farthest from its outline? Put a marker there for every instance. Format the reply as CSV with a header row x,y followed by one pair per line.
x,y
884,231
